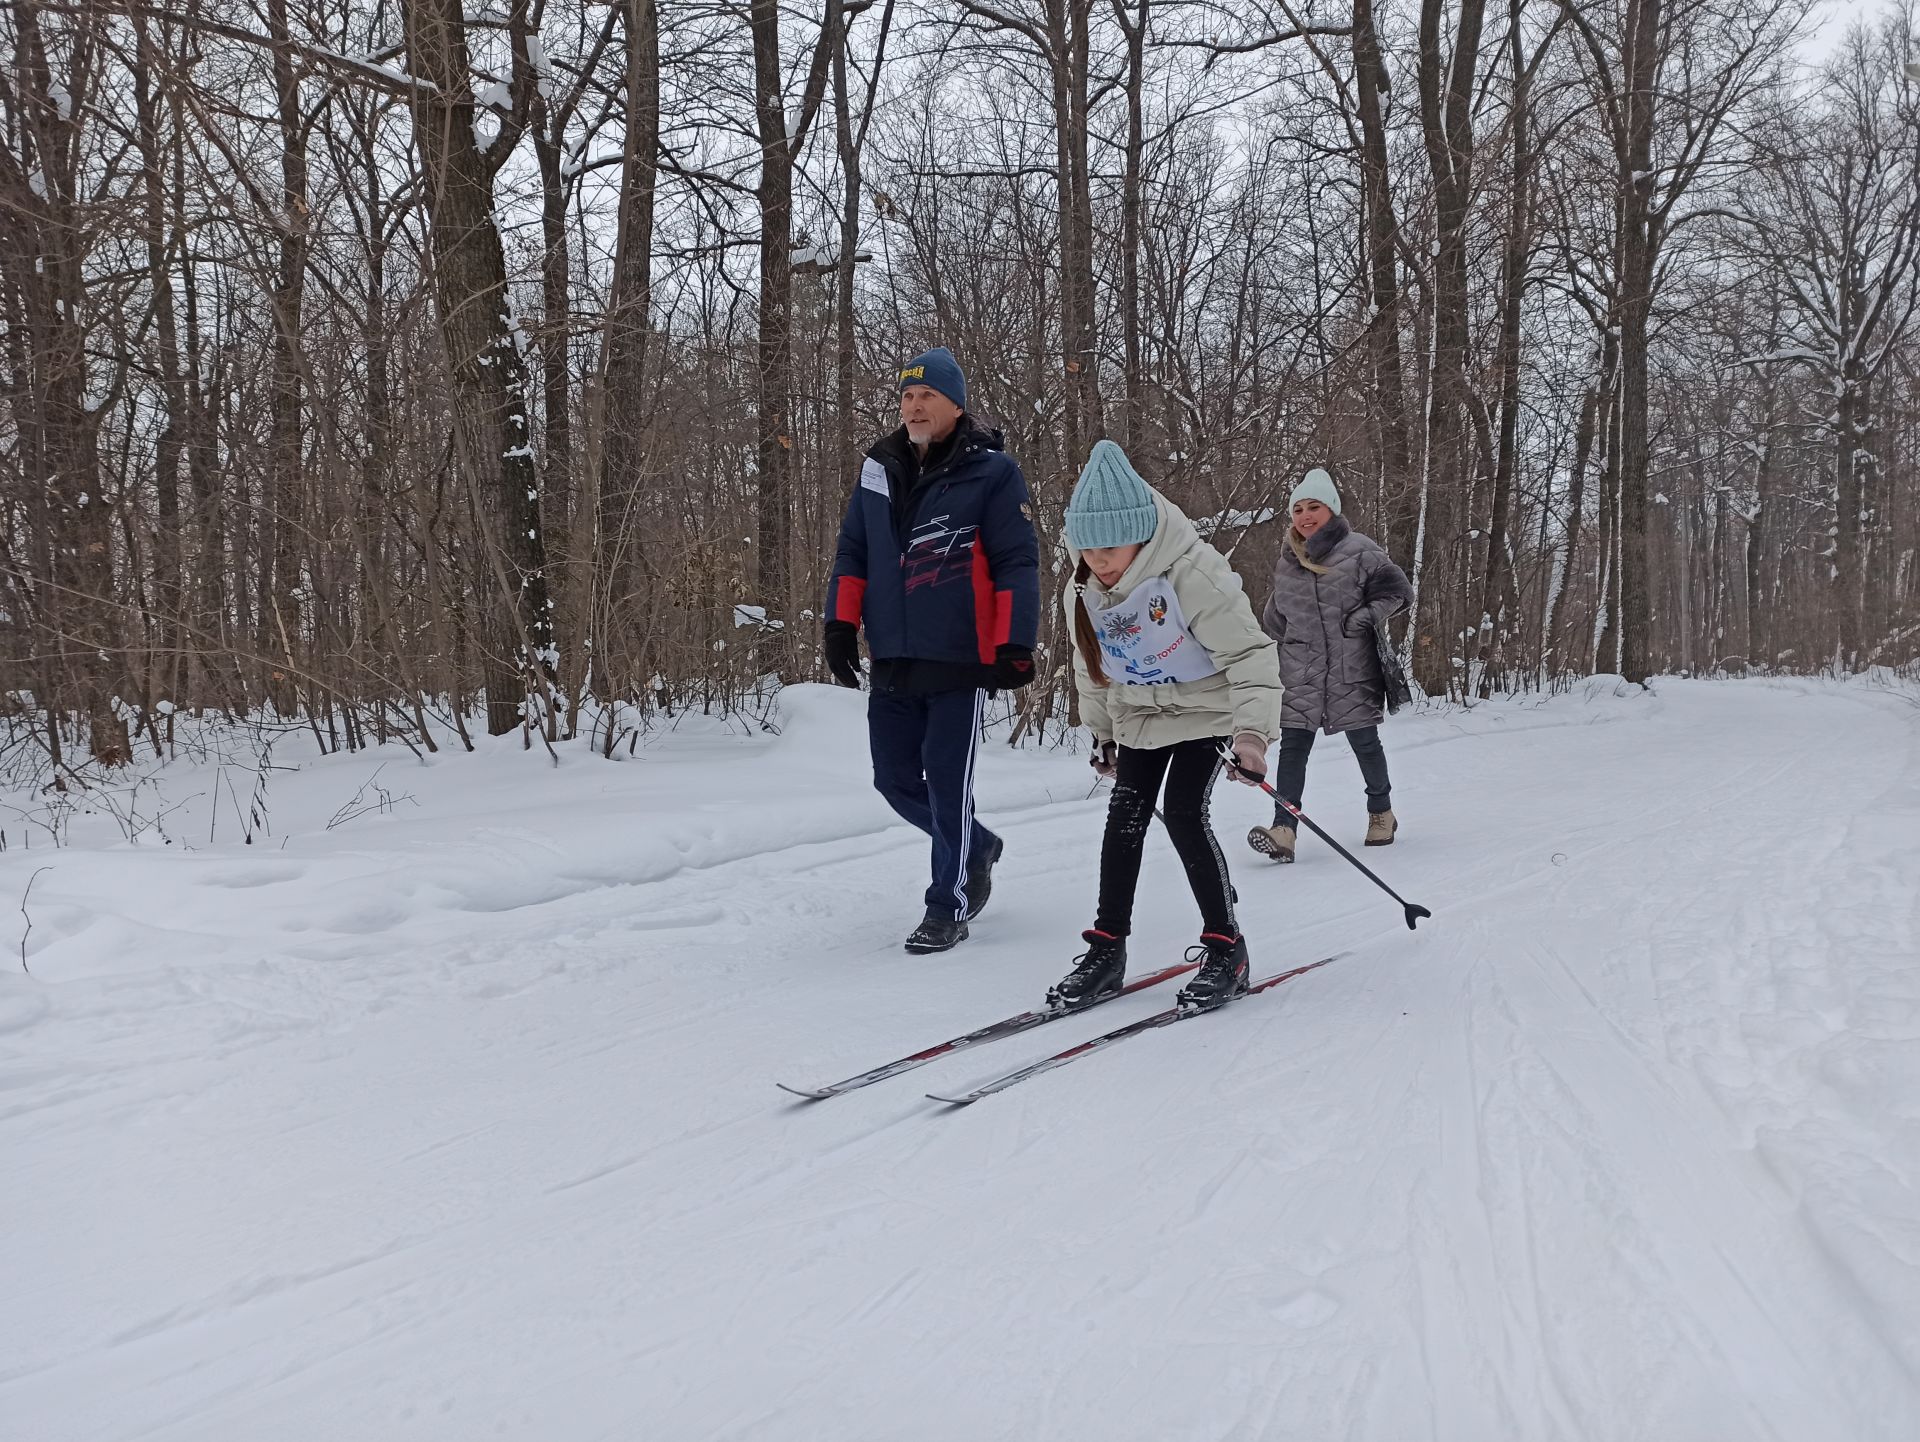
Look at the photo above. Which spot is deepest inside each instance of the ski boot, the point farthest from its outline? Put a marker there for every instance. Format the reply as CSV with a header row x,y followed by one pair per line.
x,y
938,932
1097,973
1222,975
1381,827
1274,842
980,877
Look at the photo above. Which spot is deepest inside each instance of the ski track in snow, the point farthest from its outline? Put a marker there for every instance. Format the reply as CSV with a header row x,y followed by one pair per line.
x,y
459,1122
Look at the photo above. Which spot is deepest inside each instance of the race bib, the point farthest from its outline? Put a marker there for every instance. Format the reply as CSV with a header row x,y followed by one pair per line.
x,y
873,477
1146,641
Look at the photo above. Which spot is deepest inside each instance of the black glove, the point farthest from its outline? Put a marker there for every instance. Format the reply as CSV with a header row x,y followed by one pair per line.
x,y
842,645
1012,667
1105,760
1358,623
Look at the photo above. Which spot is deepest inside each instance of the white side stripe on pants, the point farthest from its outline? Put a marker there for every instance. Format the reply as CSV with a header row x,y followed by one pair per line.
x,y
966,809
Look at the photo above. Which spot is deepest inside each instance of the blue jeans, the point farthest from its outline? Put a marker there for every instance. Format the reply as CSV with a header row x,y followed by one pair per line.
x,y
923,748
1290,770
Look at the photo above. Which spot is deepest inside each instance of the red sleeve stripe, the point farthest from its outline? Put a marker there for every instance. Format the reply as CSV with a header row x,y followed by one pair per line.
x,y
984,620
849,595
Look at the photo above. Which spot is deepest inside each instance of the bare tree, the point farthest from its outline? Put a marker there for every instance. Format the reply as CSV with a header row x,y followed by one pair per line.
x,y
51,169
461,156
1669,76
306,361
1838,221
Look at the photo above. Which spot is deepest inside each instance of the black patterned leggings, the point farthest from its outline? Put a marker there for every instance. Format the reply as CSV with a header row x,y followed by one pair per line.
x,y
1188,769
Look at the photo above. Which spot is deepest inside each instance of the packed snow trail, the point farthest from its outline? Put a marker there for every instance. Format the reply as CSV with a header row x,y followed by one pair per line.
x,y
459,1121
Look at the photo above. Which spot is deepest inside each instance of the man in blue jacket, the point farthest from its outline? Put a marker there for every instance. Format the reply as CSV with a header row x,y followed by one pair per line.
x,y
939,561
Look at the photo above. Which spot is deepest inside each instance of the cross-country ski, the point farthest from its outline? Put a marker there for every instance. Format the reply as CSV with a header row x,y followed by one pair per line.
x,y
996,1031
1107,1039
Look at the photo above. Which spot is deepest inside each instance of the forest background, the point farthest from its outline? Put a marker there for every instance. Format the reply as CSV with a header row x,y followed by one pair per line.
x,y
399,370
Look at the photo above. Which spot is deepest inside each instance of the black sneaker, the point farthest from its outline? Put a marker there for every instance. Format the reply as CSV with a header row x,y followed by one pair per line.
x,y
1097,974
1222,975
980,877
939,932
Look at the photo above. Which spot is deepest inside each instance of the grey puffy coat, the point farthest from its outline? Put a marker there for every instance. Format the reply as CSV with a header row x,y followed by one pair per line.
x,y
1325,625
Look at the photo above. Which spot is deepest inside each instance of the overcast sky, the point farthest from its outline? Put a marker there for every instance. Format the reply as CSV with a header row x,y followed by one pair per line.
x,y
1830,21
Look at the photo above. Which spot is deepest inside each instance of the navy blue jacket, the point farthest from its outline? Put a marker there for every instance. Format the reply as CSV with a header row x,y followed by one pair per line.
x,y
942,566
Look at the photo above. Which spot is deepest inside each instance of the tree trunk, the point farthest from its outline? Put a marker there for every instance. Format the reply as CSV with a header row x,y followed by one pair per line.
x,y
1446,98
1638,251
775,197
623,377
1067,58
280,573
1383,274
1595,406
847,145
560,522
48,238
851,140
1844,590
493,441
1606,635
168,445
1494,599
1759,637
1134,29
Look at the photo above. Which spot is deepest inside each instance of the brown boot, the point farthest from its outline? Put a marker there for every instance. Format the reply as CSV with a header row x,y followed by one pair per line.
x,y
1380,828
1275,842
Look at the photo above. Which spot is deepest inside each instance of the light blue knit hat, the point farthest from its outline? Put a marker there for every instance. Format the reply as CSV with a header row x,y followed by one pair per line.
x,y
1111,505
1316,485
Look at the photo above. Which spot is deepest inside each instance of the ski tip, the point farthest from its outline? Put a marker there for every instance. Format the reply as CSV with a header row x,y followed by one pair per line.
x,y
804,1093
1414,913
951,1101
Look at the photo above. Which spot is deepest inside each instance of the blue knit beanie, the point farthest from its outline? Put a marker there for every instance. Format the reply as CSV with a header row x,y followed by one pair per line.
x,y
1111,505
938,369
1315,485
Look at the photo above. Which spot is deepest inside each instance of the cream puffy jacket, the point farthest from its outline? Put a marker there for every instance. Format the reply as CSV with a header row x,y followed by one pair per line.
x,y
1243,695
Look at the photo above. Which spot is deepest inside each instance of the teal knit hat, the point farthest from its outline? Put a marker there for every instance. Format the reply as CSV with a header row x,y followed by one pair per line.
x,y
1111,505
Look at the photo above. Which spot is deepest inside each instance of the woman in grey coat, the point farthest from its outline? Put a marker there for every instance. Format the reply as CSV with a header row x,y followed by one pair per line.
x,y
1333,592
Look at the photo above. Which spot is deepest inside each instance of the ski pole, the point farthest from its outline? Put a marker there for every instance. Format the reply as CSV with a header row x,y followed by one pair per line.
x,y
1414,913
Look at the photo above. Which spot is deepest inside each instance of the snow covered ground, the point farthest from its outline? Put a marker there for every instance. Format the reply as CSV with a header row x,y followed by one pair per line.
x,y
457,1120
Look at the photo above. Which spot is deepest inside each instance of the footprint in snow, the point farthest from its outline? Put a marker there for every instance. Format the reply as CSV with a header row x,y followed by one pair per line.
x,y
1305,1310
241,880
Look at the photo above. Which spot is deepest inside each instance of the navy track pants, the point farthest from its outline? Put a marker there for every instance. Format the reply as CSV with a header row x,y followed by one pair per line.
x,y
923,750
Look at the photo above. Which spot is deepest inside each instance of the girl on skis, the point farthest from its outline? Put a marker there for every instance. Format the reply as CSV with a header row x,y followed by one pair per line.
x,y
1333,591
1170,665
